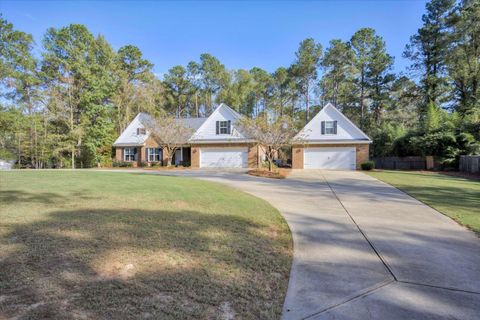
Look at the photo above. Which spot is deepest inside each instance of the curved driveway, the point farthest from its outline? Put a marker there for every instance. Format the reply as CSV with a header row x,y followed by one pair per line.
x,y
365,250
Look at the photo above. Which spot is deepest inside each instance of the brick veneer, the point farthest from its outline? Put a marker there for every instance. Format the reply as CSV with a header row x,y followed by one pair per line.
x,y
362,153
253,152
149,143
118,154
297,157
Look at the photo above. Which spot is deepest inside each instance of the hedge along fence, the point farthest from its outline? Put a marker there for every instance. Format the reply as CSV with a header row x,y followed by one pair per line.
x,y
404,163
470,164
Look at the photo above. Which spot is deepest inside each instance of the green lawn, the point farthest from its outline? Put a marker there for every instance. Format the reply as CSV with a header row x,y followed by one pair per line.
x,y
455,197
103,245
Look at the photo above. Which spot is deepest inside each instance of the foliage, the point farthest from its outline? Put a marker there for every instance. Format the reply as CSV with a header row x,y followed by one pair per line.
x,y
122,164
367,165
169,133
271,135
65,106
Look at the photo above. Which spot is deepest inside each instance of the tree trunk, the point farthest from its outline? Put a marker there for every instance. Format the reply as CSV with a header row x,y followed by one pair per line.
x,y
307,107
362,93
73,158
196,104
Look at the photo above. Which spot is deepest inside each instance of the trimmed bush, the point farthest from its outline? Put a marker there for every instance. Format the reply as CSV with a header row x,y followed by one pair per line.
x,y
122,164
367,165
143,164
156,164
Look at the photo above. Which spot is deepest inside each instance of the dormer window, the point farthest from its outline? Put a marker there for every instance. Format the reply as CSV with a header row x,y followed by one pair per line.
x,y
141,131
223,127
329,127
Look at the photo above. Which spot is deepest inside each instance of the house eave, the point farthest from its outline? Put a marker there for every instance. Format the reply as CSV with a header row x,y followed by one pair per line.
x,y
218,141
322,141
129,144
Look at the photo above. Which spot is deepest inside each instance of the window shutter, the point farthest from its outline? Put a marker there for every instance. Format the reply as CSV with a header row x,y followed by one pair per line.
x,y
229,127
335,127
323,127
146,154
218,127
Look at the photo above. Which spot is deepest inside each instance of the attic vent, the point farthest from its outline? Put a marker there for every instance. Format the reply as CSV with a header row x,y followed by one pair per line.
x,y
141,131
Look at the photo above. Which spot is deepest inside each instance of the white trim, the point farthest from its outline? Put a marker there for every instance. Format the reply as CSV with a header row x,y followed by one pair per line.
x,y
154,154
333,142
218,141
130,154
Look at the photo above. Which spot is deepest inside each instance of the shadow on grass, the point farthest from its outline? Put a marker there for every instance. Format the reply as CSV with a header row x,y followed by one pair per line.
x,y
118,264
18,196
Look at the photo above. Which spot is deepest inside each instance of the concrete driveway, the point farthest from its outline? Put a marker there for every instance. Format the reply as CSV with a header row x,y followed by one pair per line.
x,y
365,250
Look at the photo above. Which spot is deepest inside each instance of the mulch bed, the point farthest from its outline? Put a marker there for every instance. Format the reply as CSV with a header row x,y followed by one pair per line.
x,y
279,174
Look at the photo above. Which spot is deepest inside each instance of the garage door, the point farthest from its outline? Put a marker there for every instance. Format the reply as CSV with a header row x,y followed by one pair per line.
x,y
339,158
223,158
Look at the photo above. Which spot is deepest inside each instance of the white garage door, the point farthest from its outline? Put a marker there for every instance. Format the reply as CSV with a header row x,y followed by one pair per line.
x,y
340,158
223,158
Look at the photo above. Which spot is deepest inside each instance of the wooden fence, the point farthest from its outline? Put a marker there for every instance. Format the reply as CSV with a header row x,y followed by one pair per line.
x,y
470,164
404,163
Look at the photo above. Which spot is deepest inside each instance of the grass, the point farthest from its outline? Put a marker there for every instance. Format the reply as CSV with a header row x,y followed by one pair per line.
x,y
103,245
456,197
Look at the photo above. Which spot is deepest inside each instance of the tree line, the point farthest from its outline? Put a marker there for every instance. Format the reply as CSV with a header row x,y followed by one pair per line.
x,y
65,101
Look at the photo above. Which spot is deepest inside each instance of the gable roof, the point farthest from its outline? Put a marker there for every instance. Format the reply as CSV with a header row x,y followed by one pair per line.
x,y
193,123
350,132
206,132
129,136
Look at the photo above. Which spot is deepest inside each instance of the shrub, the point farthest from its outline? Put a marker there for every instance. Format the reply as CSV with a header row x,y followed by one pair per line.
x,y
122,164
143,164
186,163
367,165
105,162
156,164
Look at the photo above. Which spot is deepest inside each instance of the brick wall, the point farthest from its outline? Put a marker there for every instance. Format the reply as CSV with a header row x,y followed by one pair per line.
x,y
195,157
118,154
297,157
253,156
362,153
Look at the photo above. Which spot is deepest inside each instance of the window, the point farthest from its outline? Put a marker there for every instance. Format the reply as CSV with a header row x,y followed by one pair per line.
x,y
141,131
129,154
223,125
153,154
329,127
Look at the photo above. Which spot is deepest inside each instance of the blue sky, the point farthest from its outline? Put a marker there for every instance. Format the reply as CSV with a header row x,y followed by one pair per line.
x,y
241,34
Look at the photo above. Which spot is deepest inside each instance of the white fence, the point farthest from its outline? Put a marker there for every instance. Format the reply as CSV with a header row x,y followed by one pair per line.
x,y
470,164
